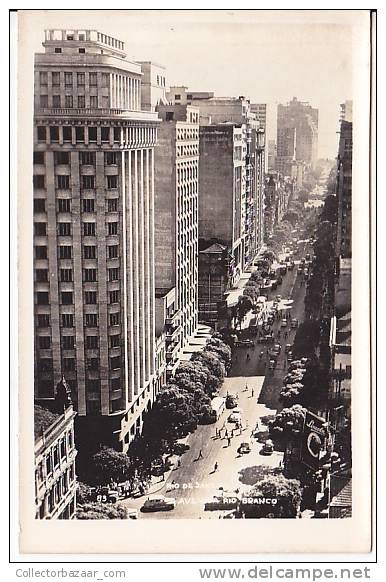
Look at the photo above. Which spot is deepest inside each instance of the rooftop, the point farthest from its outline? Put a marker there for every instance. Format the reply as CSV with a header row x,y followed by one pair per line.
x,y
43,419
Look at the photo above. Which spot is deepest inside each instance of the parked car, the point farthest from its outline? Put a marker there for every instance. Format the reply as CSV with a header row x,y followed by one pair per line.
x,y
271,365
277,348
294,323
279,279
300,269
245,343
158,503
234,417
288,348
231,401
267,338
267,448
284,322
244,448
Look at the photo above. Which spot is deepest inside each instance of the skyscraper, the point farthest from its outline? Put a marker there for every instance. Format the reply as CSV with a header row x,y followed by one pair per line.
x,y
303,118
93,233
344,190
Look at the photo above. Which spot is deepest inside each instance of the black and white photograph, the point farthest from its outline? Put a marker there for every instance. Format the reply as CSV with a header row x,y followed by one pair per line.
x,y
196,202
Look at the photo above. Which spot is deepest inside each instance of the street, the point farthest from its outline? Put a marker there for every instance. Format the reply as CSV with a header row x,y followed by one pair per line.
x,y
195,482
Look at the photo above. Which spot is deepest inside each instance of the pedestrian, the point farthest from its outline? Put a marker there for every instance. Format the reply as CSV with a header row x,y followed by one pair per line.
x,y
232,434
229,441
226,434
215,466
200,455
179,463
252,392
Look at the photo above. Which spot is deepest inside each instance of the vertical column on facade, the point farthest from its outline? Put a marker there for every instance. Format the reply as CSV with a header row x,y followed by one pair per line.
x,y
128,291
141,269
111,91
124,297
53,266
102,282
78,287
135,269
147,290
151,256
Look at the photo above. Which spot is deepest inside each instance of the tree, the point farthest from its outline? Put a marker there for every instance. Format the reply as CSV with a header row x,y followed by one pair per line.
x,y
306,339
285,495
288,421
108,465
292,216
212,362
222,351
292,393
244,305
251,475
171,416
101,511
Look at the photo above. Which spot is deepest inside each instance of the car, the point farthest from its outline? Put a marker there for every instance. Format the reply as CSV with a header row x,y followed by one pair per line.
x,y
288,348
267,448
158,503
271,365
273,355
289,356
231,401
284,322
294,323
244,448
278,298
279,279
245,343
234,417
300,269
267,338
308,256
277,347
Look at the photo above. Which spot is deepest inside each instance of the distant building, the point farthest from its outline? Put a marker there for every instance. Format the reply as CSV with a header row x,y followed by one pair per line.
x,y
153,85
215,280
346,111
299,116
260,110
272,153
344,190
55,454
278,192
93,233
176,180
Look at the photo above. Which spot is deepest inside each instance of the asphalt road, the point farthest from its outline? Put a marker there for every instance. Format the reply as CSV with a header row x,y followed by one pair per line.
x,y
195,481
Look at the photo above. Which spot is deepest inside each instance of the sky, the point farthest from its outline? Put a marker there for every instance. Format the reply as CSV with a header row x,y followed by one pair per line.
x,y
267,56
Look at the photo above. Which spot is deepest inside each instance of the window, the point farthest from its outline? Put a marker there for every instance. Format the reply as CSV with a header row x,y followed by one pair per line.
x,y
115,341
45,365
55,100
43,100
92,134
92,342
64,205
38,158
117,134
54,134
64,228
66,298
112,182
112,205
88,182
93,364
105,134
88,205
93,79
89,228
68,364
169,116
67,320
91,320
89,252
80,79
87,158
115,362
43,320
114,318
44,342
42,135
40,228
41,275
90,297
113,274
89,275
58,50
112,228
81,102
93,101
113,252
68,101
66,275
40,252
39,205
105,80
65,252
110,158
79,134
177,97
82,50
114,296
61,158
67,134
68,79
63,182
68,342
43,78
39,181
115,384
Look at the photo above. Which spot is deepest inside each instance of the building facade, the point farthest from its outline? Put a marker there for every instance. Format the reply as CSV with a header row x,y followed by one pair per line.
x,y
55,454
344,190
93,233
153,85
299,116
176,219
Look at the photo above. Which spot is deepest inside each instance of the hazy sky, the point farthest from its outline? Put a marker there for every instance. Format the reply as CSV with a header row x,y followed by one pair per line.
x,y
268,56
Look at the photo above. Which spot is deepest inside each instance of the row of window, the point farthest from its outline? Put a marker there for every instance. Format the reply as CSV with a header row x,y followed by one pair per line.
x,y
57,101
65,275
90,297
85,158
69,78
68,342
67,320
86,183
135,134
187,150
69,364
65,229
190,133
64,205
